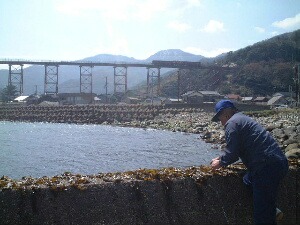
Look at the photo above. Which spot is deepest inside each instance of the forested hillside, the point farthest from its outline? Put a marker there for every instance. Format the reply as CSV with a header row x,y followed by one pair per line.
x,y
262,69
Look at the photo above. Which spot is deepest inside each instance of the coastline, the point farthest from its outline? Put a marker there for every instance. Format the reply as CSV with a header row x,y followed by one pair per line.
x,y
147,196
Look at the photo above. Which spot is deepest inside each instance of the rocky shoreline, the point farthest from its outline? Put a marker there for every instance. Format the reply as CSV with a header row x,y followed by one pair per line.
x,y
284,126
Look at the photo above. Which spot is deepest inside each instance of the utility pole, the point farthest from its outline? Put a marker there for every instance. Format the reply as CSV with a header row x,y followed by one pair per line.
x,y
297,83
178,85
106,89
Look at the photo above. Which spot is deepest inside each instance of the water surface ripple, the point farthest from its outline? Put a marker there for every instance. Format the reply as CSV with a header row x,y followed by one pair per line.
x,y
48,149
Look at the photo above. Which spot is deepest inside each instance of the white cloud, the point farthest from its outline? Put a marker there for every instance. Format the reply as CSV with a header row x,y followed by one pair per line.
x,y
207,53
287,23
213,26
259,29
178,26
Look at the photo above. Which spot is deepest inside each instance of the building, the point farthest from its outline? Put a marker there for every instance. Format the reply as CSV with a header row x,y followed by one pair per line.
x,y
277,100
201,96
132,100
234,97
21,99
76,98
261,100
247,99
160,101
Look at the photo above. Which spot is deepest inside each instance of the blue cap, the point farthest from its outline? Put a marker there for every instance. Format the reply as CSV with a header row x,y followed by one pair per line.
x,y
223,104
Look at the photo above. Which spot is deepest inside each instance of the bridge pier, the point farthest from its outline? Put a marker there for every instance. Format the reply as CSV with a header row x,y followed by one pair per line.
x,y
15,77
51,79
86,79
120,79
153,78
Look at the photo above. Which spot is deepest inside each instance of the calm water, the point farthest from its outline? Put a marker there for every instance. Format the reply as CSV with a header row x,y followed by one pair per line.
x,y
45,149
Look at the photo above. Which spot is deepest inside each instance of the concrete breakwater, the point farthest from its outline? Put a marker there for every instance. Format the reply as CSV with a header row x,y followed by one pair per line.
x,y
98,114
194,195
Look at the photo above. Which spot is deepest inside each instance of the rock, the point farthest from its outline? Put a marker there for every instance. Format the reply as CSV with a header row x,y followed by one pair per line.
x,y
289,130
293,153
278,133
199,129
289,141
270,127
298,129
206,135
291,146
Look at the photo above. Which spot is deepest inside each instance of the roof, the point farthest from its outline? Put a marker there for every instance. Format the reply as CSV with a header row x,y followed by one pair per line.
x,y
247,98
192,93
210,93
201,93
275,99
260,99
188,93
132,98
175,99
21,98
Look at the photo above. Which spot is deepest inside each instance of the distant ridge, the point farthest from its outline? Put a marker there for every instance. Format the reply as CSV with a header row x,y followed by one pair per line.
x,y
110,58
265,66
176,55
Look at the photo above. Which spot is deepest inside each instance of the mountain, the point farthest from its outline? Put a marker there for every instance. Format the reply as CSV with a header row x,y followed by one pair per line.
x,y
284,48
260,69
176,55
110,59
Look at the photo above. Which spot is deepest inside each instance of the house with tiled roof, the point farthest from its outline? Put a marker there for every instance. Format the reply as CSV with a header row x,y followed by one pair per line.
x,y
277,100
261,100
201,96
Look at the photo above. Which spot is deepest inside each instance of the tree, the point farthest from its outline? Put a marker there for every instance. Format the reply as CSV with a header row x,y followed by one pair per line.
x,y
9,93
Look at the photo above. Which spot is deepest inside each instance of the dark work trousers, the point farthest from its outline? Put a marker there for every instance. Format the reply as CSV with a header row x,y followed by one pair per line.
x,y
264,184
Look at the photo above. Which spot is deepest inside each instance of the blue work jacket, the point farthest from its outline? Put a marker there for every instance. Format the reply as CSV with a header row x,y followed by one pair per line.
x,y
248,140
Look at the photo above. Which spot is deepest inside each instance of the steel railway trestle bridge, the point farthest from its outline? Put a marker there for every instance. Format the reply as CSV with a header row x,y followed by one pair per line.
x,y
15,76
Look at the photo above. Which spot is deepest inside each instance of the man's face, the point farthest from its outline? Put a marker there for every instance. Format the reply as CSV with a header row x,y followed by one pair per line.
x,y
223,117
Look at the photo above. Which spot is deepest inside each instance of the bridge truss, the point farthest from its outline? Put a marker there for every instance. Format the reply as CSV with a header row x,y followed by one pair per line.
x,y
51,75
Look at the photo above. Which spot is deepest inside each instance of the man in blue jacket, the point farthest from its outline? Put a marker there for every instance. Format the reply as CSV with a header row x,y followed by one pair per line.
x,y
267,165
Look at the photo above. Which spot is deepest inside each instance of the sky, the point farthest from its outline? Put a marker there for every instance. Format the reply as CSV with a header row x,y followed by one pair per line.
x,y
76,29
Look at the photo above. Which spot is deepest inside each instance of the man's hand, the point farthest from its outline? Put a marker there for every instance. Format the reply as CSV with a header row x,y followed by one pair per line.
x,y
216,163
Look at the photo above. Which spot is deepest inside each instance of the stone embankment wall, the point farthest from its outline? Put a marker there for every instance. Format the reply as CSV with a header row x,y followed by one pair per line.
x,y
98,114
192,197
